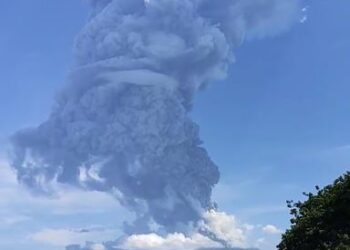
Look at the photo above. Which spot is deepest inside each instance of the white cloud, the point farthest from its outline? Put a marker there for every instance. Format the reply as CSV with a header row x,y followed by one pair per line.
x,y
64,237
170,242
271,229
225,227
216,227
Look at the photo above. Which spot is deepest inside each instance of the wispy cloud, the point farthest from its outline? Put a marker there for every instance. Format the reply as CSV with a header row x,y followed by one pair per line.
x,y
9,219
271,229
64,237
67,200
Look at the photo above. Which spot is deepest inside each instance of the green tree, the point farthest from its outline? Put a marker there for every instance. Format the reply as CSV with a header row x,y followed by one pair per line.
x,y
322,222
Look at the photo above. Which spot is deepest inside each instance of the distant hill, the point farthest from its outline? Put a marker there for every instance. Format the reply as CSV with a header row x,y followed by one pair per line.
x,y
228,249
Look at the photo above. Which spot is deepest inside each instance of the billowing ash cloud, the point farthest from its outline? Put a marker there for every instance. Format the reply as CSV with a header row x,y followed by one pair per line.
x,y
122,123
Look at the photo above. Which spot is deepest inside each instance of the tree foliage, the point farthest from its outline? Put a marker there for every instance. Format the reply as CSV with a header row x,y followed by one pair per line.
x,y
322,222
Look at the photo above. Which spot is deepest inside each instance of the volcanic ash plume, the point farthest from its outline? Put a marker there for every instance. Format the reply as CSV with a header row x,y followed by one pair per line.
x,y
121,124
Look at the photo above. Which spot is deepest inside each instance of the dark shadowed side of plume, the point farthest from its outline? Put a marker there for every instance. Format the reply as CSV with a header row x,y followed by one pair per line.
x,y
122,125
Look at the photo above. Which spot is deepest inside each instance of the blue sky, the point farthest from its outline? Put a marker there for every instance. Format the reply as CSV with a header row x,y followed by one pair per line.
x,y
276,127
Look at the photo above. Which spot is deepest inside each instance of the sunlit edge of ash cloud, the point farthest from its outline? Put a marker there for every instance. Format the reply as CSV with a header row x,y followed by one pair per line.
x,y
122,126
